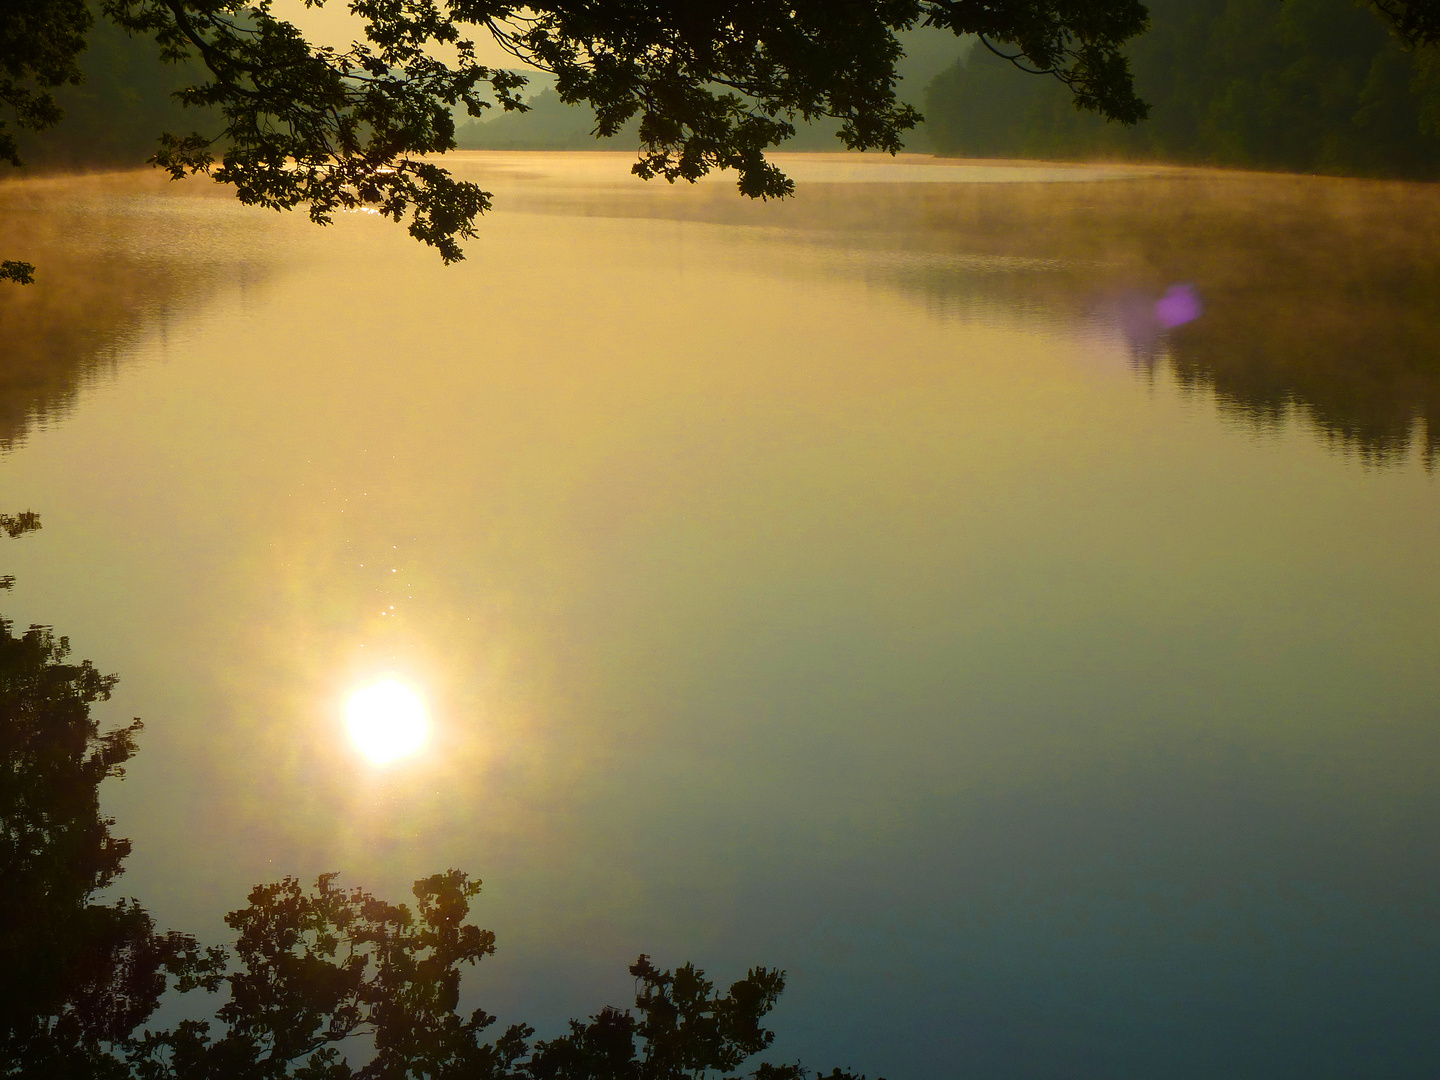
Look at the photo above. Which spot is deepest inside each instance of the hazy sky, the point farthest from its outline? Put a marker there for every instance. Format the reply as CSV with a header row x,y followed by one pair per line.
x,y
334,25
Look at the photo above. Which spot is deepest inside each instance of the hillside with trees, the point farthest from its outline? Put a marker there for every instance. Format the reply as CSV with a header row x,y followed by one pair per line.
x,y
1306,85
116,115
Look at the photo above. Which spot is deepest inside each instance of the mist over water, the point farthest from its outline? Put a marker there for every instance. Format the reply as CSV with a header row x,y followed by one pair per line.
x,y
1004,598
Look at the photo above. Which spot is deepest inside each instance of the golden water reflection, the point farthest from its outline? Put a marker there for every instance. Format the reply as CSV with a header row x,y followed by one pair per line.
x,y
1319,291
802,592
117,254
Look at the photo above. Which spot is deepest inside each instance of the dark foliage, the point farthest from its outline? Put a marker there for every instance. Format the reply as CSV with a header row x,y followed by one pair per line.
x,y
326,128
1308,85
115,112
76,976
315,969
318,968
39,43
1417,22
1079,43
16,525
683,1030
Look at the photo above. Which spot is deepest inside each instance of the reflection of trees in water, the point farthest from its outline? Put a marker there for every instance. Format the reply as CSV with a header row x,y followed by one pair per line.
x,y
99,282
78,973
1320,295
311,968
58,333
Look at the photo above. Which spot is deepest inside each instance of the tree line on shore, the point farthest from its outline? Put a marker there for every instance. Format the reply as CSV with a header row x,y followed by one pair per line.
x,y
1306,85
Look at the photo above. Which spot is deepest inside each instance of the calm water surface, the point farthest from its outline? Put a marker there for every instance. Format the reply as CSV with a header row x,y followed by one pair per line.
x,y
868,585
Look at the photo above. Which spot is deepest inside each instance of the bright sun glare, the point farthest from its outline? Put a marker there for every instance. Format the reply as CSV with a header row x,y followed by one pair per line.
x,y
386,721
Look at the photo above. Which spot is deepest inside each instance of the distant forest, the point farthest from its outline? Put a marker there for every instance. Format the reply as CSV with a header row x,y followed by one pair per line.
x,y
1304,85
1301,85
115,117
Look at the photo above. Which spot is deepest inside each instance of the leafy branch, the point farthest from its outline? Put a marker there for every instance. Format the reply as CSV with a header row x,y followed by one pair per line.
x,y
713,84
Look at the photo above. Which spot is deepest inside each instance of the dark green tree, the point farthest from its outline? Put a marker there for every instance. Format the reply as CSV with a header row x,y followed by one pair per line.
x,y
114,114
1415,22
1305,85
40,43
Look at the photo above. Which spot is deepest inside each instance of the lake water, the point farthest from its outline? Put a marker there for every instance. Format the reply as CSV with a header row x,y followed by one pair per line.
x,y
870,585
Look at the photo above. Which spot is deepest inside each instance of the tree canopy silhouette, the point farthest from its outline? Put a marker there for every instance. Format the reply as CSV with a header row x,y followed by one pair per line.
x,y
319,967
712,84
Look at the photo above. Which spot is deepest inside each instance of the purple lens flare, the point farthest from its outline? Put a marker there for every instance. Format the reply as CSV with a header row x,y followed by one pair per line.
x,y
1180,305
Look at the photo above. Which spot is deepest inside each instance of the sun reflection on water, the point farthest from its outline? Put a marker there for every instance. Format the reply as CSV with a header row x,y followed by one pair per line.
x,y
386,721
